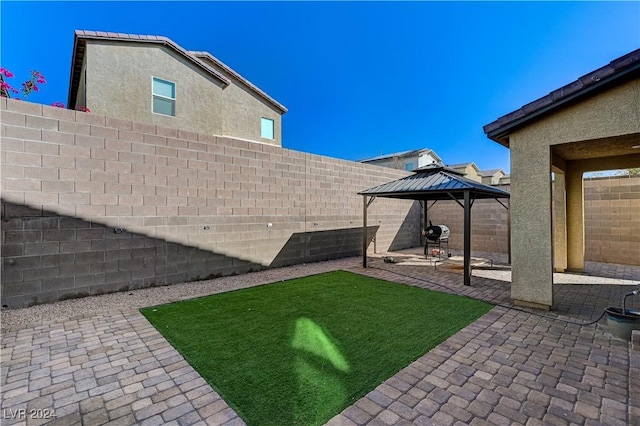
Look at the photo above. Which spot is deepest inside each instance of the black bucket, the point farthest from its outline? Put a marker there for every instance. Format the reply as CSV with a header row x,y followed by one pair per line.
x,y
622,323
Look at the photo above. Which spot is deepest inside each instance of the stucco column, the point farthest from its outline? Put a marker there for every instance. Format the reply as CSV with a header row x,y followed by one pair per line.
x,y
575,218
559,222
531,238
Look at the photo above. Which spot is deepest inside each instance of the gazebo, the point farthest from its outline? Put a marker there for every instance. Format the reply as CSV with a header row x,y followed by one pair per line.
x,y
434,183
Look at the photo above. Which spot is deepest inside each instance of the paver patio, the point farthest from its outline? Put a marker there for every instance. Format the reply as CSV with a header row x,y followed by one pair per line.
x,y
509,367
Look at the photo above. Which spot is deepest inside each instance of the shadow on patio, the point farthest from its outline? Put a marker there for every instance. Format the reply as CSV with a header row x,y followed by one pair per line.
x,y
581,296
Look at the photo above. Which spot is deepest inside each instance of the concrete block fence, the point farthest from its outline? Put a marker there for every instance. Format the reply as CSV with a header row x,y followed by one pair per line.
x,y
612,221
489,219
93,204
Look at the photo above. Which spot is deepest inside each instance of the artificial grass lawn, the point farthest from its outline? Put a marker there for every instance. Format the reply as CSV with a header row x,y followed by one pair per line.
x,y
298,352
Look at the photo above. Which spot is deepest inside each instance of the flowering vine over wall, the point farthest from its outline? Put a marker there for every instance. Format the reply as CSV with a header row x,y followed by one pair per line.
x,y
27,87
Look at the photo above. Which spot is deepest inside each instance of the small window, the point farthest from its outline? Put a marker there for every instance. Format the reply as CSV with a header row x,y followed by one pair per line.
x,y
164,97
266,128
408,166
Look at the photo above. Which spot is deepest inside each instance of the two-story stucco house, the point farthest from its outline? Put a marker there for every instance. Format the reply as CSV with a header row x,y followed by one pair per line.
x,y
151,79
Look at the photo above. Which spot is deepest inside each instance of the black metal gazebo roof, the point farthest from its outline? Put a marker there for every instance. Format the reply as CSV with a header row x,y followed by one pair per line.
x,y
435,183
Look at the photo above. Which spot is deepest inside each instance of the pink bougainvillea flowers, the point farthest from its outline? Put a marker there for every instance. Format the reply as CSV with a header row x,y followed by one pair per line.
x,y
6,72
31,85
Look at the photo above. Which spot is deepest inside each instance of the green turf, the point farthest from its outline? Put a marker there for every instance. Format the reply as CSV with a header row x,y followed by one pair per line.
x,y
300,351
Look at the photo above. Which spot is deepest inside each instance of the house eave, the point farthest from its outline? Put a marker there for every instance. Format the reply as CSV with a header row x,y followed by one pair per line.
x,y
615,73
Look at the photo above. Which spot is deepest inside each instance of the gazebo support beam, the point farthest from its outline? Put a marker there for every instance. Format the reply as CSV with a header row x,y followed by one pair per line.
x,y
455,199
467,238
365,236
364,231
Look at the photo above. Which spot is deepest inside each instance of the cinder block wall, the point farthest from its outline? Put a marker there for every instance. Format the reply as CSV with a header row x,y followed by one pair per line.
x,y
92,204
612,221
489,231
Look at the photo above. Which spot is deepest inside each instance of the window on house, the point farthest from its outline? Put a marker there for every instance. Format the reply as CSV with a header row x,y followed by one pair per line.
x,y
266,128
408,166
164,97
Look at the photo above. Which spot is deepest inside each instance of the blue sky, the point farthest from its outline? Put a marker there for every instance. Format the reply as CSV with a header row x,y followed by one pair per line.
x,y
359,78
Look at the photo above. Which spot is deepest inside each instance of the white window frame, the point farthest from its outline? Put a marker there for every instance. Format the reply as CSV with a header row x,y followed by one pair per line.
x,y
273,128
153,95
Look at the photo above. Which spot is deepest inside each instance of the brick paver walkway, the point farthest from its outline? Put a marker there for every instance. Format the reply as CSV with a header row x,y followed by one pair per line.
x,y
509,367
107,369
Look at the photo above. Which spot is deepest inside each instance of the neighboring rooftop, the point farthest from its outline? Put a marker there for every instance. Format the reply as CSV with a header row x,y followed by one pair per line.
x,y
401,154
619,69
464,166
490,172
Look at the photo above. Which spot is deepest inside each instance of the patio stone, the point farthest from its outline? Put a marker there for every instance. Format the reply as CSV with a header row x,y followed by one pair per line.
x,y
510,366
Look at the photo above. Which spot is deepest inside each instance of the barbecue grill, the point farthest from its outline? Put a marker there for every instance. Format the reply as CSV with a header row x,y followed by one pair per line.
x,y
437,232
436,236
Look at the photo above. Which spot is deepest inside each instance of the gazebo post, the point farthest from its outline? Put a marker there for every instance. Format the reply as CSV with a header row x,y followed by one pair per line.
x,y
467,238
509,229
364,231
425,224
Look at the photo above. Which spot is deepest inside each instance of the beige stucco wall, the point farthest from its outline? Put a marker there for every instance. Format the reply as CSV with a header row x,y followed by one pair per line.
x,y
242,115
244,109
493,179
531,246
614,112
558,189
470,172
119,84
81,100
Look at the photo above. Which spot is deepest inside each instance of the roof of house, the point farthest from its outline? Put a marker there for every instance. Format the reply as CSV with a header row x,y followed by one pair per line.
x,y
437,168
616,72
434,183
409,153
490,172
463,165
79,47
